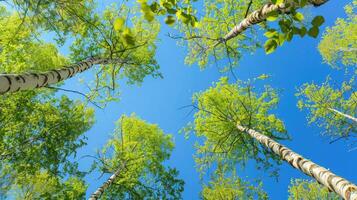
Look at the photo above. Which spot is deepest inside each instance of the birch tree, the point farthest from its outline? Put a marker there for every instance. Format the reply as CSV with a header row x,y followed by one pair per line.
x,y
118,40
134,158
333,106
333,109
236,125
229,29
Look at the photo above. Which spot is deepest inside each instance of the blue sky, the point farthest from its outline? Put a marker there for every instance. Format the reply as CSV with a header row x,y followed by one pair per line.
x,y
158,101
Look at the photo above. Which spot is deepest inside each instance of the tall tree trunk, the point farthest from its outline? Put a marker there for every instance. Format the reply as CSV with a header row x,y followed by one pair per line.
x,y
96,195
343,114
28,81
261,14
341,186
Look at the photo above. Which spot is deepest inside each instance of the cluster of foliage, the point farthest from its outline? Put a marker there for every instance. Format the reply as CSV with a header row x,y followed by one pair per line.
x,y
59,16
303,189
219,109
126,40
44,185
338,45
138,150
338,49
39,132
20,51
319,100
230,186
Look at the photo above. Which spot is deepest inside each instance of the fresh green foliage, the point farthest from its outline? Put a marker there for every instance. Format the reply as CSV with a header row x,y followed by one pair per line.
x,y
290,24
318,99
39,132
138,149
43,185
20,52
59,16
218,18
174,9
230,186
304,189
121,35
339,43
219,109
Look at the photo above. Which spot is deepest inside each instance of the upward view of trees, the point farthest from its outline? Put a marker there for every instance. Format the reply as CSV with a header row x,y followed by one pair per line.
x,y
234,122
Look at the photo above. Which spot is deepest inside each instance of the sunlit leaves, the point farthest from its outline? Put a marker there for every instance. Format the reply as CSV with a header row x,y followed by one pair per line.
x,y
138,149
127,40
270,46
338,46
119,23
218,18
318,99
39,132
304,189
229,186
219,109
290,24
44,185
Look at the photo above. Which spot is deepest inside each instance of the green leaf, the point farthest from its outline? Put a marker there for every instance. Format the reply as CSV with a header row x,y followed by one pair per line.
x,y
318,21
299,16
272,16
128,37
270,46
289,36
263,76
170,20
118,24
302,32
271,33
277,2
313,32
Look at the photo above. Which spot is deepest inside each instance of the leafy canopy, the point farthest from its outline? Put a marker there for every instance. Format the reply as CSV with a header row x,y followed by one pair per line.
x,y
230,186
219,109
20,51
338,46
138,149
60,16
126,40
44,185
317,100
304,189
39,132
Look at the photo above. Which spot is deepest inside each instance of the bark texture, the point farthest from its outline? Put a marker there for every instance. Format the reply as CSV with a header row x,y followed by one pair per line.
x,y
344,115
28,81
261,14
341,186
96,195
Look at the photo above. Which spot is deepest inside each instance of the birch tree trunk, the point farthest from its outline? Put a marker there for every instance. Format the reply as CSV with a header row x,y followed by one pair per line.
x,y
28,81
261,14
343,114
341,186
96,195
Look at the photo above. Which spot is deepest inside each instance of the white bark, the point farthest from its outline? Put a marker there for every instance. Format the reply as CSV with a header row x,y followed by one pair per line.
x,y
261,14
343,114
96,195
341,186
28,81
